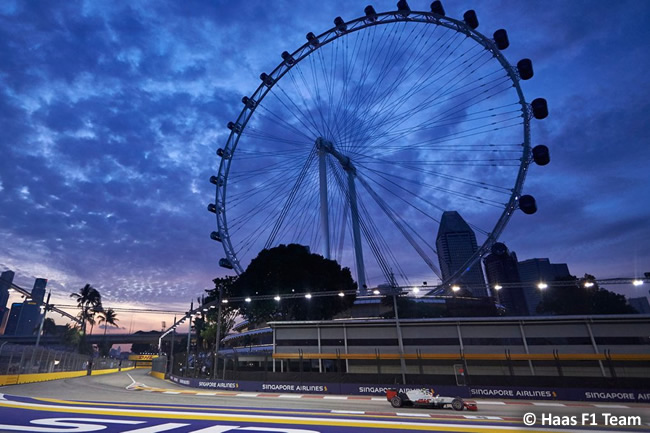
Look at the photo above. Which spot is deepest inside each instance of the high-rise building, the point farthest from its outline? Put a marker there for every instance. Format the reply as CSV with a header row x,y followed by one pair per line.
x,y
456,243
38,292
640,304
25,317
501,270
6,279
14,317
534,271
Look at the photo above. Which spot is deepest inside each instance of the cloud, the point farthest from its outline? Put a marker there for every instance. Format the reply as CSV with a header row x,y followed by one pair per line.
x,y
110,115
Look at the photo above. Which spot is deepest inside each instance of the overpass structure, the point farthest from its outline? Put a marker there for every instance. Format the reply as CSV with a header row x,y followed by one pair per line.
x,y
142,337
49,307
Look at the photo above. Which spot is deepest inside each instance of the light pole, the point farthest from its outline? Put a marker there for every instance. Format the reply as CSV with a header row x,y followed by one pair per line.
x,y
40,327
394,292
189,336
217,338
171,350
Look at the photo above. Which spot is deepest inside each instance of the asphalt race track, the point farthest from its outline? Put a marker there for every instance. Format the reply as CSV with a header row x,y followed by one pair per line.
x,y
137,403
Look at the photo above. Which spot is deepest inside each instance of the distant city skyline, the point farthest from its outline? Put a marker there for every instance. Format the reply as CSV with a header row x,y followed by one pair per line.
x,y
110,117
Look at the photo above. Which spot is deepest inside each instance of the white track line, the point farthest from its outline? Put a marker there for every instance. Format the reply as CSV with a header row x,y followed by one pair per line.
x,y
350,412
420,415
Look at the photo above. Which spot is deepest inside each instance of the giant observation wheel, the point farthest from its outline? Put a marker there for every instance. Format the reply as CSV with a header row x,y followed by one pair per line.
x,y
359,140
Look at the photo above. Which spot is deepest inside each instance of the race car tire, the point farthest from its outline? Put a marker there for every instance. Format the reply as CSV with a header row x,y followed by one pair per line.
x,y
396,401
457,404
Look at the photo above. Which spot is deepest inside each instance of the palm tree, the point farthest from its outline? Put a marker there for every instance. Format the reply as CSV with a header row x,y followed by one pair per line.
x,y
49,327
108,317
95,310
88,298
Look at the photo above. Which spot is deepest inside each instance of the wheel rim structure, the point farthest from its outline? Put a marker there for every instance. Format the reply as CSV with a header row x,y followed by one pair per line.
x,y
427,110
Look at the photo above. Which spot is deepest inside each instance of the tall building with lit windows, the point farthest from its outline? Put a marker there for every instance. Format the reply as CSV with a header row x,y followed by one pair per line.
x,y
501,270
456,243
534,271
25,317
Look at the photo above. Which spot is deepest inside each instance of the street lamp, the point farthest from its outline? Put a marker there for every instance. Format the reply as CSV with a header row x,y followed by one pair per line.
x,y
455,288
497,287
637,282
589,284
542,285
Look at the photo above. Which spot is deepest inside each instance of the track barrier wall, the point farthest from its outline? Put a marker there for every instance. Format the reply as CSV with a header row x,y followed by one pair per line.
x,y
27,364
573,377
490,392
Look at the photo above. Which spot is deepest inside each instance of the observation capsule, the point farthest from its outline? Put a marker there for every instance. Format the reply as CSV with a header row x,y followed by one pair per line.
x,y
527,204
215,236
235,127
499,249
248,102
212,208
436,8
541,155
288,58
470,19
266,79
214,179
501,39
312,39
525,68
225,263
340,24
371,14
403,8
540,109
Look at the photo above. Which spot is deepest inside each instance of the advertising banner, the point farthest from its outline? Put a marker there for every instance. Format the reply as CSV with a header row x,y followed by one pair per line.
x,y
486,392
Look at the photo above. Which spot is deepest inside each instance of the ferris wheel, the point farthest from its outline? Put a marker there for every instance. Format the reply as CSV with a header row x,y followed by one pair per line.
x,y
359,140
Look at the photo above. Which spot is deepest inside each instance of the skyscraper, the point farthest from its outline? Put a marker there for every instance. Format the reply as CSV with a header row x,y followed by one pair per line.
x,y
6,279
25,317
501,269
14,317
456,243
534,271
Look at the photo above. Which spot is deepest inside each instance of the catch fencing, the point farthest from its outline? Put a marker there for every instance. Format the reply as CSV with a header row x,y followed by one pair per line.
x,y
568,370
23,364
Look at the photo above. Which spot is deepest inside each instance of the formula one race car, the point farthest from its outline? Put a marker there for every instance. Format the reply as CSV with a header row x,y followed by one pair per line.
x,y
425,398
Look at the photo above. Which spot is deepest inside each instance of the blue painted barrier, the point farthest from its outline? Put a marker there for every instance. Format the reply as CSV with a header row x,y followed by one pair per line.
x,y
488,392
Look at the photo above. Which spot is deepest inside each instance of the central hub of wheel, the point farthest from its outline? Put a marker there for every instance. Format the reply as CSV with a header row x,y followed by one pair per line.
x,y
326,146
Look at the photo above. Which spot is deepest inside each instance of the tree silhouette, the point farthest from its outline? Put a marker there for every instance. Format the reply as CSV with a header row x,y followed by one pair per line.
x,y
576,297
88,298
293,270
229,312
49,327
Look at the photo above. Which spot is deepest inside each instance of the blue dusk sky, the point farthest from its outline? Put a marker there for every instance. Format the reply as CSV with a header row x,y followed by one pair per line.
x,y
111,113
